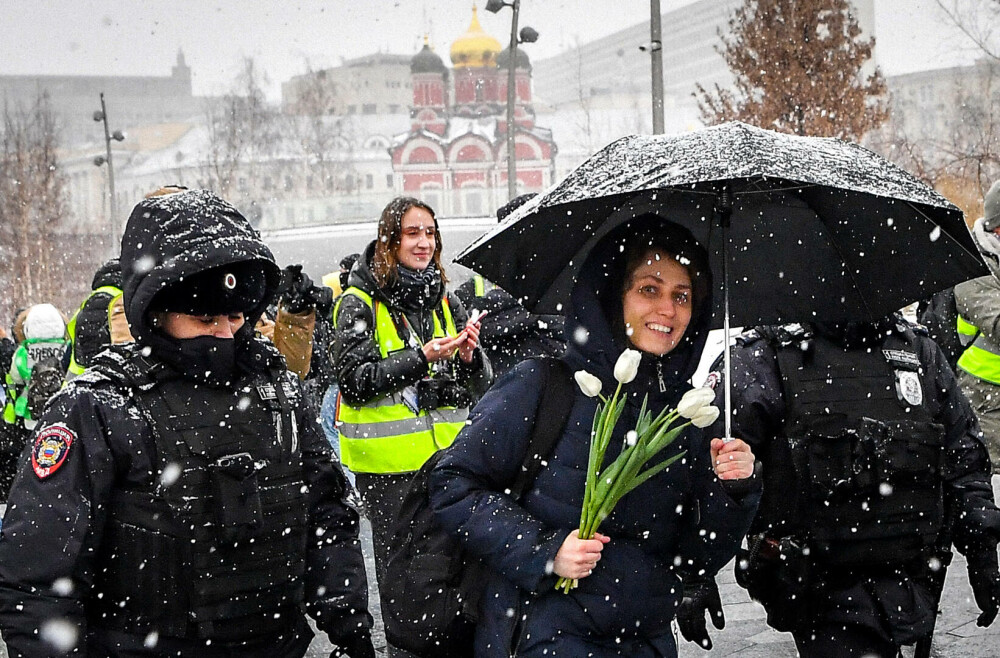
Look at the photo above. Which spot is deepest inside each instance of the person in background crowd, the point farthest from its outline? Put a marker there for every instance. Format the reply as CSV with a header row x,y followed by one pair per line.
x,y
510,334
34,375
407,373
324,340
873,467
7,349
179,498
646,286
90,328
977,303
300,305
337,281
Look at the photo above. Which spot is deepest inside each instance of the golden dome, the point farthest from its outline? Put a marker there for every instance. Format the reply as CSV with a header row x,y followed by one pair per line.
x,y
475,48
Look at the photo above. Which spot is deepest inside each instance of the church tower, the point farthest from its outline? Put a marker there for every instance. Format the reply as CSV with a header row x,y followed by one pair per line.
x,y
429,77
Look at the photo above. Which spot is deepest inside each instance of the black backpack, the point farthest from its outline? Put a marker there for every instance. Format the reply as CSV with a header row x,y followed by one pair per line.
x,y
432,587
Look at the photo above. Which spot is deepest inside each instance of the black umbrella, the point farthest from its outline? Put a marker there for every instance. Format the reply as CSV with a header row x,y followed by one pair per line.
x,y
797,228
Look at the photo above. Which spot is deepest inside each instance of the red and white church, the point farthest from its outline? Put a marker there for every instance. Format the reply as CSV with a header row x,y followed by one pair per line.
x,y
455,155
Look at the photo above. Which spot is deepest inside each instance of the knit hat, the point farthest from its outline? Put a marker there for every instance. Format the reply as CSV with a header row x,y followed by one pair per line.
x,y
235,288
44,321
991,208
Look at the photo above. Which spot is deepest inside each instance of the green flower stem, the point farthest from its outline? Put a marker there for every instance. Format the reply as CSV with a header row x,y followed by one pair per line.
x,y
604,490
665,438
650,472
588,489
606,418
631,458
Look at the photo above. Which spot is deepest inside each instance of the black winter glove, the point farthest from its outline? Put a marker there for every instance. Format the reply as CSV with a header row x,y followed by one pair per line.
x,y
354,646
296,289
700,596
46,380
984,576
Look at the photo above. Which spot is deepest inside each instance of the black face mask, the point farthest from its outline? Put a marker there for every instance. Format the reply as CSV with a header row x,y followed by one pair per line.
x,y
205,358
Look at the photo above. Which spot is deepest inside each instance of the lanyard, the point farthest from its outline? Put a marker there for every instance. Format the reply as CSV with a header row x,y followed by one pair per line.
x,y
414,337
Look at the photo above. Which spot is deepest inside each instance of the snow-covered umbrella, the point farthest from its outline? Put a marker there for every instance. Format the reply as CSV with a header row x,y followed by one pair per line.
x,y
797,228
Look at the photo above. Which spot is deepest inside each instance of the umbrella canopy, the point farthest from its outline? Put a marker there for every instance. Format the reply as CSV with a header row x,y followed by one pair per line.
x,y
817,228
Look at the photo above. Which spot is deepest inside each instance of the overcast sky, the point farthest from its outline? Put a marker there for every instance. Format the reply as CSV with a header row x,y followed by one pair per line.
x,y
142,37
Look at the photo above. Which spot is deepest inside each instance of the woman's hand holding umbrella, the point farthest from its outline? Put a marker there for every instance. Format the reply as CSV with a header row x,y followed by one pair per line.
x,y
732,460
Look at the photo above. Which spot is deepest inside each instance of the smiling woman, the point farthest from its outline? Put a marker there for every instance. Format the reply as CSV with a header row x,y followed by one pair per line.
x,y
645,289
407,361
657,301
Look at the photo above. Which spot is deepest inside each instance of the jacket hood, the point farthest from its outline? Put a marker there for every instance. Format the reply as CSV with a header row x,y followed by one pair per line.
x,y
361,275
593,335
108,274
171,237
988,243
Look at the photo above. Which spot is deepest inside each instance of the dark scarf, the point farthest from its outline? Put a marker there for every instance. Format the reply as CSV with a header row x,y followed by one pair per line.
x,y
214,361
415,291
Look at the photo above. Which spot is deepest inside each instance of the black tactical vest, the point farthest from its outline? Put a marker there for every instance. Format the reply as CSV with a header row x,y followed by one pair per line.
x,y
866,456
216,547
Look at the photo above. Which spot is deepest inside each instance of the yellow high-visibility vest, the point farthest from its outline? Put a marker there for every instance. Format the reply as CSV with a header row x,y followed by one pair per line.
x,y
482,286
385,435
980,358
74,367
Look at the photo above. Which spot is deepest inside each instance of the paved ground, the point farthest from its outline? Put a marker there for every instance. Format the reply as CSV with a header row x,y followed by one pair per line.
x,y
747,635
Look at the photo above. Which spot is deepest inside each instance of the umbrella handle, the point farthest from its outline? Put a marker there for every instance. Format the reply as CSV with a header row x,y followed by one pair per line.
x,y
724,208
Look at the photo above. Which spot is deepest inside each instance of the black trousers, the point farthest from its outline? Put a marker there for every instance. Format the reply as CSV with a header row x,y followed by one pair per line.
x,y
837,640
383,495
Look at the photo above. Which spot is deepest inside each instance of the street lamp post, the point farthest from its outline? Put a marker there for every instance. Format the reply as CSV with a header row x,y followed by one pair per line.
x,y
527,35
655,47
118,136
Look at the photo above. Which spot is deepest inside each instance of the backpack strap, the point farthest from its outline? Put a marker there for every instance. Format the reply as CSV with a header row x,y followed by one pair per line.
x,y
554,408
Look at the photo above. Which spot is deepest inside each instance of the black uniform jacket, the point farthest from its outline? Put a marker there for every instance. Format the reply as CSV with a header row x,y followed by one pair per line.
x,y
759,416
897,603
53,528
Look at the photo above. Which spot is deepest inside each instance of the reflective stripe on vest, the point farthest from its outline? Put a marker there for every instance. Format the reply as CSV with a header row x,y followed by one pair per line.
x,y
74,367
10,395
17,389
480,283
981,357
384,435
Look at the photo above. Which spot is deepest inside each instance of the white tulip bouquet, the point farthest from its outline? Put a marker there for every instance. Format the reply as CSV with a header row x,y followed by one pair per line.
x,y
606,486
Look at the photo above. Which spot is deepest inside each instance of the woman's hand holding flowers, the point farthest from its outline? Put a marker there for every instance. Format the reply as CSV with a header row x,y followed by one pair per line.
x,y
732,460
578,557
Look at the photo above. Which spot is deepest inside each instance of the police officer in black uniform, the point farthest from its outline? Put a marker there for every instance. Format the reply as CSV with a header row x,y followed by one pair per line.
x,y
179,498
873,468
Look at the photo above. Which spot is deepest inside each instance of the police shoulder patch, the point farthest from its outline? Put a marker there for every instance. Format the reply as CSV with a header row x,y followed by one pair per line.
x,y
51,447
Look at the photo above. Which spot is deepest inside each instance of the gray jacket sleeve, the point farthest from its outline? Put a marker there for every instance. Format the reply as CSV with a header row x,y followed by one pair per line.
x,y
978,301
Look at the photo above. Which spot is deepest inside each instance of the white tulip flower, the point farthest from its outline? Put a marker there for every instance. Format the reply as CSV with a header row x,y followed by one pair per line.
x,y
627,366
705,416
692,401
589,384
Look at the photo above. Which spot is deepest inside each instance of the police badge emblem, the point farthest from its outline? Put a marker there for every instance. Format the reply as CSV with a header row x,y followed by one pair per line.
x,y
50,449
908,387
